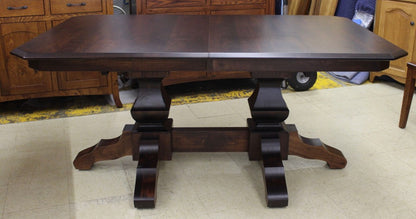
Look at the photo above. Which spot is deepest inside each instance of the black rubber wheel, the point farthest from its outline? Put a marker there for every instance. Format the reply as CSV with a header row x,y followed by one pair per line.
x,y
302,81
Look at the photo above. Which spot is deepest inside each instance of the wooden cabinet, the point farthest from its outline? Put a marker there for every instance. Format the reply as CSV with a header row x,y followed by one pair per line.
x,y
17,78
213,7
23,20
202,6
395,21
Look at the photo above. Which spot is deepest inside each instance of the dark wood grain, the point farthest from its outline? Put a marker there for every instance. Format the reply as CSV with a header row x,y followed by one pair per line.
x,y
268,111
295,37
271,47
108,149
146,175
116,64
156,36
151,107
274,174
210,139
266,103
198,7
215,43
256,134
281,65
313,148
150,111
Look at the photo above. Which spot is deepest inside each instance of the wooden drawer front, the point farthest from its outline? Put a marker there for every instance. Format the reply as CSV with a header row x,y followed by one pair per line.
x,y
75,6
173,11
254,11
174,3
237,2
13,8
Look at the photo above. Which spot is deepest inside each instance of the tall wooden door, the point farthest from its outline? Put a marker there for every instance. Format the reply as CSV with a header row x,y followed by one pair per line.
x,y
397,24
15,75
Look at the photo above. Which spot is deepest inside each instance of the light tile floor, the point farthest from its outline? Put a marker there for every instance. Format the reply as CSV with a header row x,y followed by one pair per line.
x,y
37,179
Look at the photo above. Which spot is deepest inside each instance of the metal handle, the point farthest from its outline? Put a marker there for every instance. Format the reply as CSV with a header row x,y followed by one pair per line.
x,y
80,4
412,23
17,8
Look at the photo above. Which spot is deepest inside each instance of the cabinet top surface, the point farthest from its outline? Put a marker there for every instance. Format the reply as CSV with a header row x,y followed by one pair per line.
x,y
203,36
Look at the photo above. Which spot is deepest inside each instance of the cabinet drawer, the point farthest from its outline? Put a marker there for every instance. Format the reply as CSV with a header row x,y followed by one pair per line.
x,y
253,11
13,8
201,11
174,3
75,6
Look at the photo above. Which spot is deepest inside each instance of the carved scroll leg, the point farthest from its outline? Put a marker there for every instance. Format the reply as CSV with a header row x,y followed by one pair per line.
x,y
106,149
115,91
274,175
146,175
314,149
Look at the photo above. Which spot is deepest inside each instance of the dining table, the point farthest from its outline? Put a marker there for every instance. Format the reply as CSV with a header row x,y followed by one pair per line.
x,y
150,47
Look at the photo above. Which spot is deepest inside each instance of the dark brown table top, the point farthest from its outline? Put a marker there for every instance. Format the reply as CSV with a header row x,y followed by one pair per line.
x,y
327,43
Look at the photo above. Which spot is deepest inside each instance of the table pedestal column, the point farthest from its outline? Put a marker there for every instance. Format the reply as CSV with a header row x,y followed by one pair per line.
x,y
268,140
152,138
150,111
148,140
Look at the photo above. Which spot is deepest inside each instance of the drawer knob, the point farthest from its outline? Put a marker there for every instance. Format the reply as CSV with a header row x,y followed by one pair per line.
x,y
17,8
412,23
80,4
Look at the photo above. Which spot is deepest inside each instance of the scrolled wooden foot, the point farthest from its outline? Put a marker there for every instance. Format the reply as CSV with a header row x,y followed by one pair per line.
x,y
274,175
146,174
314,149
107,149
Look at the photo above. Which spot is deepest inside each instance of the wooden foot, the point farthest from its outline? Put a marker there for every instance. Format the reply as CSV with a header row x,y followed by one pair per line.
x,y
107,149
146,175
314,149
274,175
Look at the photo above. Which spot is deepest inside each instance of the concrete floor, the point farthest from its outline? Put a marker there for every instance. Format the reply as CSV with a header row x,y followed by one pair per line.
x,y
37,179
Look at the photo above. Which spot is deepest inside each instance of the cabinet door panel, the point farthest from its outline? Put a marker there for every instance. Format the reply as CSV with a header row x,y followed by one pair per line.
x,y
396,26
15,75
77,80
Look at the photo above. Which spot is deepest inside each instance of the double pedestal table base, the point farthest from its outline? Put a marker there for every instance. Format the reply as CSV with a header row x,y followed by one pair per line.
x,y
266,138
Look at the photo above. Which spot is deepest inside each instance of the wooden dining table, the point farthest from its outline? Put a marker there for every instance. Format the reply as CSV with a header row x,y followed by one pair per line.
x,y
150,47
